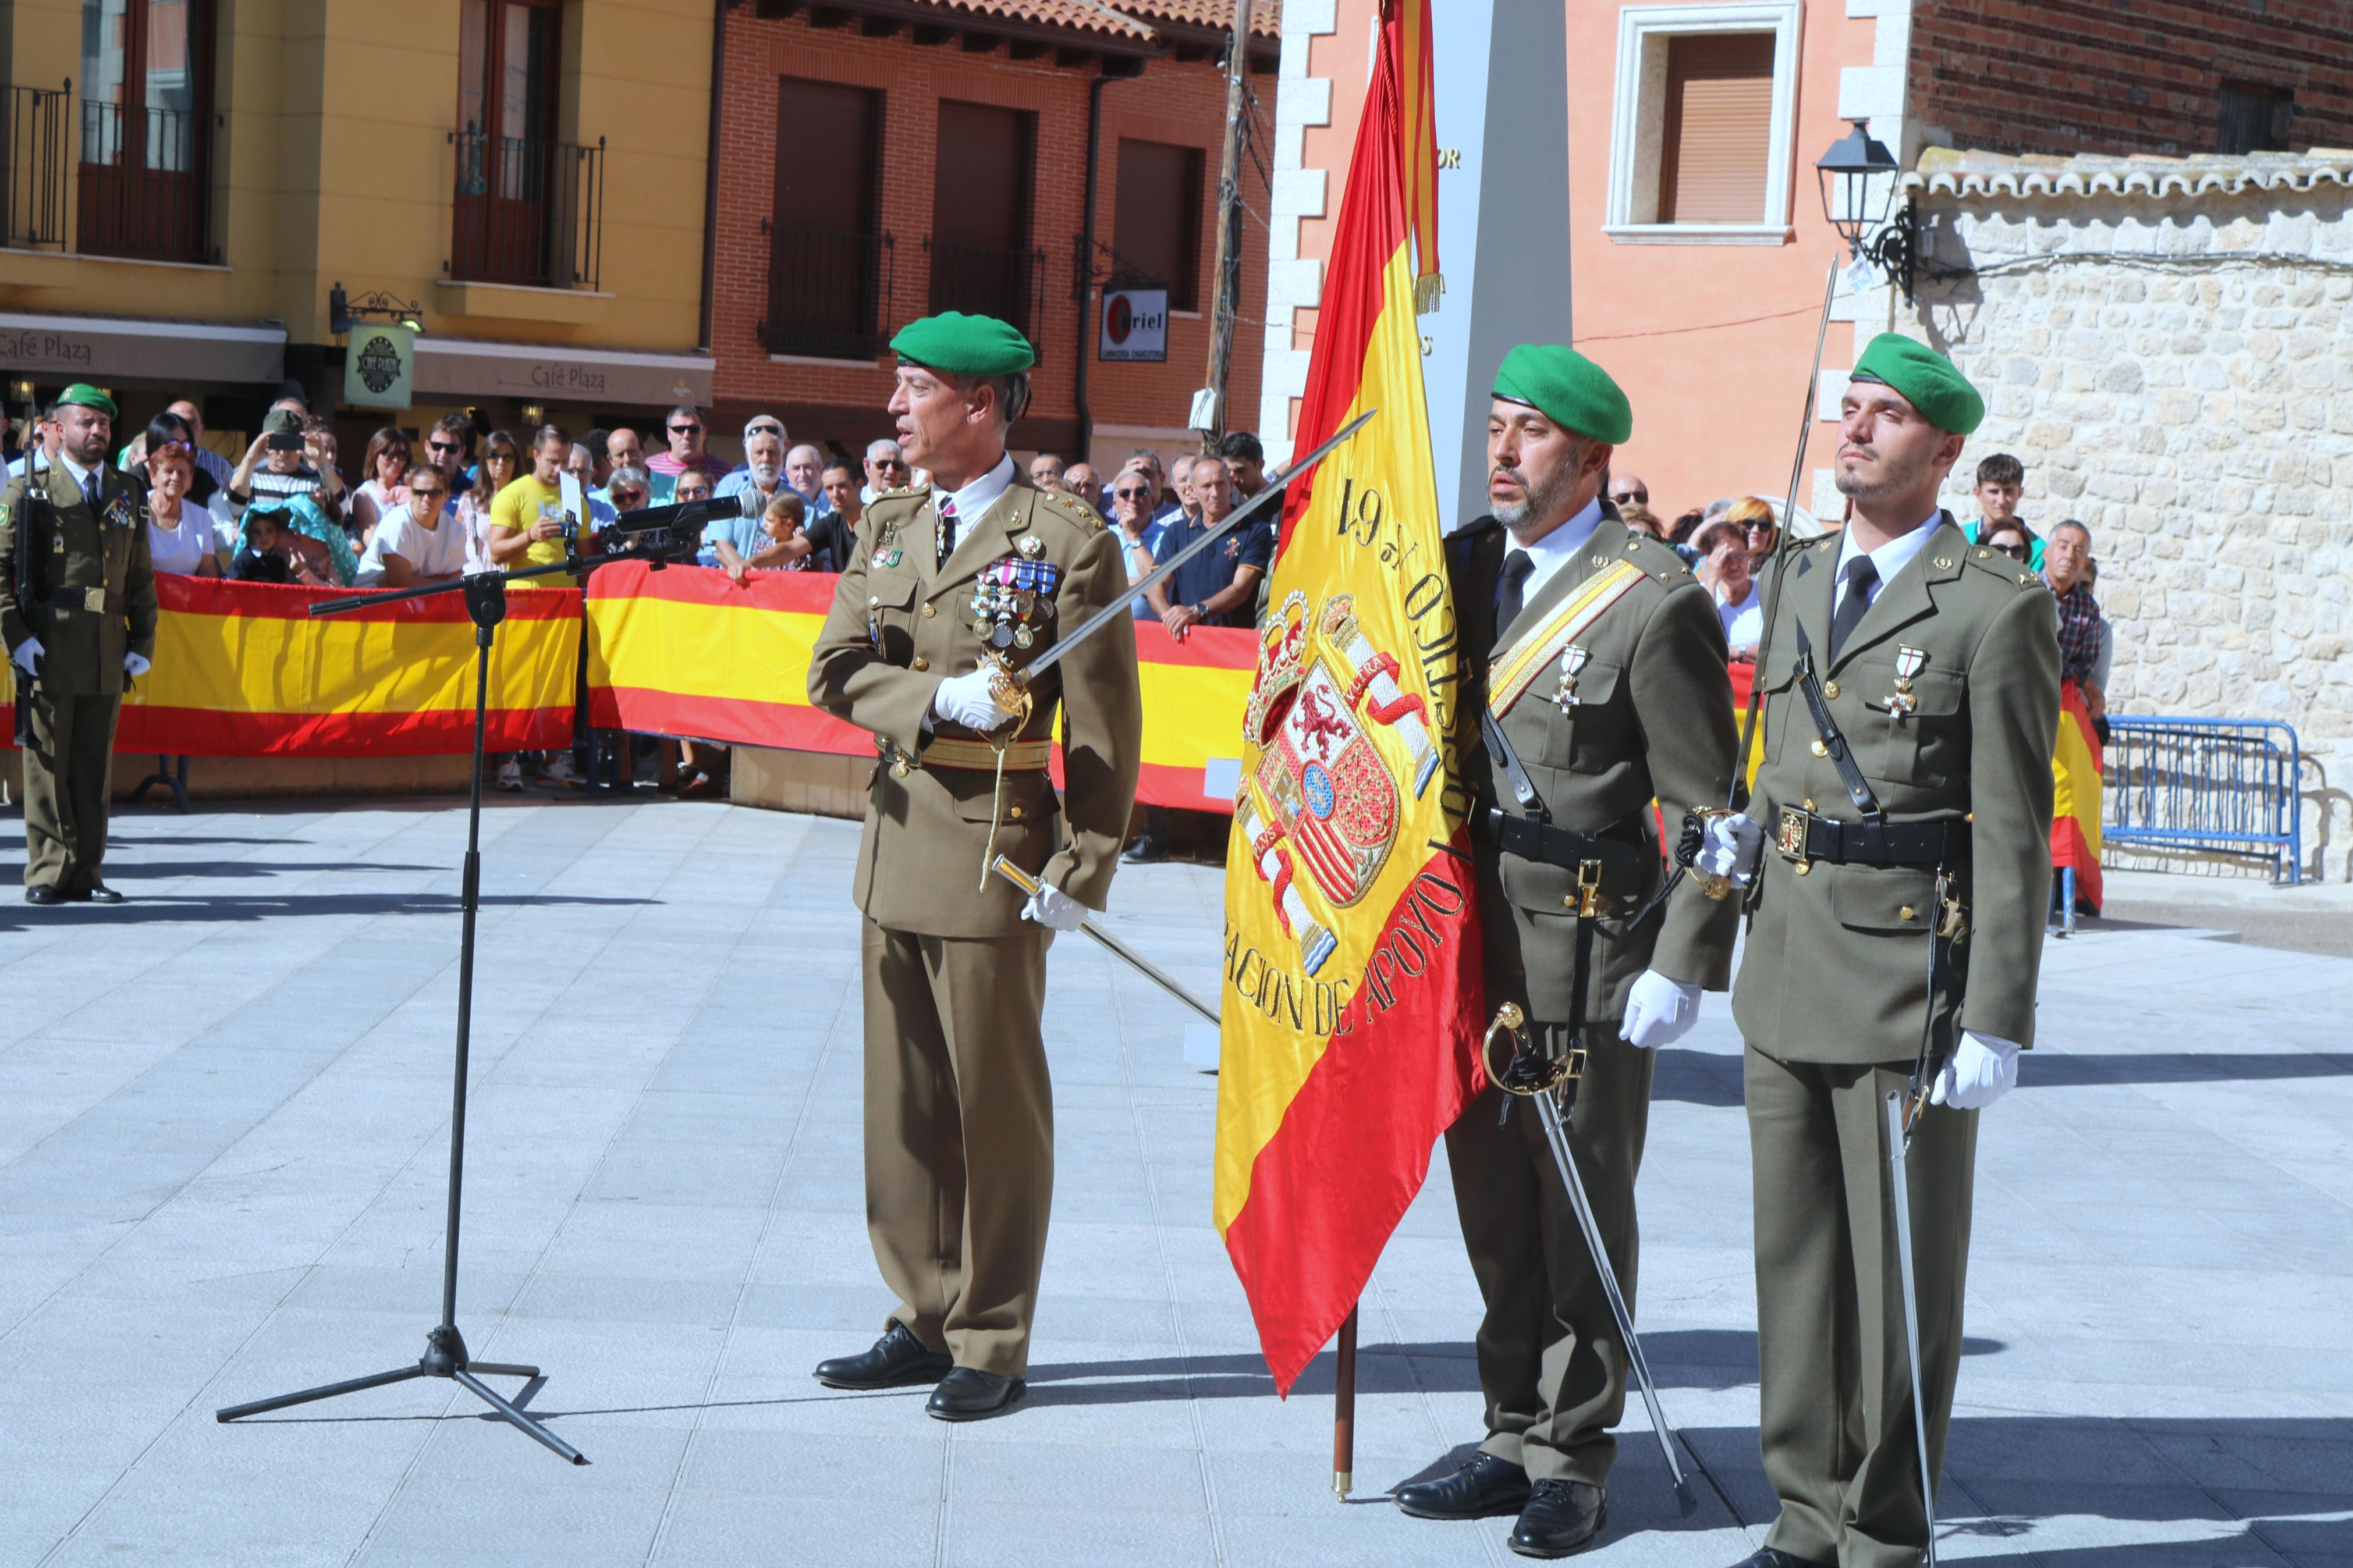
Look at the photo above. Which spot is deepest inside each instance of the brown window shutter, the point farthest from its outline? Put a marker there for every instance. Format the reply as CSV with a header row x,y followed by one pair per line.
x,y
1718,120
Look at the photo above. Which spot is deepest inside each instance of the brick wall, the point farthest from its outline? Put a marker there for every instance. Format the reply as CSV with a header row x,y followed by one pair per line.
x,y
2123,76
2168,368
1181,102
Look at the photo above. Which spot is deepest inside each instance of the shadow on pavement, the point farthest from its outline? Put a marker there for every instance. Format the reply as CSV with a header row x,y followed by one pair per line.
x,y
153,910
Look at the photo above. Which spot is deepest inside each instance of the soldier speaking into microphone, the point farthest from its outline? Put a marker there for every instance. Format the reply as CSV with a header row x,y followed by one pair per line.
x,y
1605,688
77,607
1902,820
979,565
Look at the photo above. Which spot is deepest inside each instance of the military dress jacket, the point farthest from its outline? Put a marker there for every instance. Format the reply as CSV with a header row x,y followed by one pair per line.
x,y
1652,719
95,570
1836,968
900,624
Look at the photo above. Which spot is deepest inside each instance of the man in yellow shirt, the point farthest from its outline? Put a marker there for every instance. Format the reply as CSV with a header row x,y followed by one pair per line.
x,y
527,526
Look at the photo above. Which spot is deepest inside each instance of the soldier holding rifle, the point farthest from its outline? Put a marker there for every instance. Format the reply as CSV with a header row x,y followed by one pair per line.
x,y
1605,688
959,1114
77,608
1902,820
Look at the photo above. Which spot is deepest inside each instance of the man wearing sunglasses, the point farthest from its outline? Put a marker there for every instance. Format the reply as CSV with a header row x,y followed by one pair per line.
x,y
1627,490
446,447
685,430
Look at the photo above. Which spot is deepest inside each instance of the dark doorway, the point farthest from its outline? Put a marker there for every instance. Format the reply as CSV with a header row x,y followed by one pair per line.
x,y
826,253
146,129
981,258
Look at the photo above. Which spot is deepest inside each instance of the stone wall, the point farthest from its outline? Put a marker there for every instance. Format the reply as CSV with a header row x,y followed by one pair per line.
x,y
2171,357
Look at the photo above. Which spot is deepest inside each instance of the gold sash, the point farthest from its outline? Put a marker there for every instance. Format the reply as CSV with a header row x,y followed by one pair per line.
x,y
1517,670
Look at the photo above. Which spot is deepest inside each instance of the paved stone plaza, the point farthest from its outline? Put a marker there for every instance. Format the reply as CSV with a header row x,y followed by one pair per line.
x,y
223,1133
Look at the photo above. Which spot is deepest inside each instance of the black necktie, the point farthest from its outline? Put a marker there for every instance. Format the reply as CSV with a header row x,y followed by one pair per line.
x,y
1511,592
90,489
947,529
1860,575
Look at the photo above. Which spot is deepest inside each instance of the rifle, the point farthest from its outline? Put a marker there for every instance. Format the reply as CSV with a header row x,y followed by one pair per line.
x,y
28,574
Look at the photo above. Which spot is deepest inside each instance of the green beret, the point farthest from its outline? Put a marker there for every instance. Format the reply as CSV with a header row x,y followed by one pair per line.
x,y
87,396
1925,378
965,345
1566,389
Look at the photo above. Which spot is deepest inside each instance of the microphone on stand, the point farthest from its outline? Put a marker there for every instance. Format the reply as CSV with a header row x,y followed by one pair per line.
x,y
691,513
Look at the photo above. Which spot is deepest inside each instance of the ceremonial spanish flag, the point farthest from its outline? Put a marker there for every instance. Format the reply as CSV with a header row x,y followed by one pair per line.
x,y
1352,989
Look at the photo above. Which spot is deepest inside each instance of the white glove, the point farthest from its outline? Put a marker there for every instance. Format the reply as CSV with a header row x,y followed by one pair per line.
x,y
1052,907
1659,1011
966,700
1731,849
27,652
1982,1071
136,664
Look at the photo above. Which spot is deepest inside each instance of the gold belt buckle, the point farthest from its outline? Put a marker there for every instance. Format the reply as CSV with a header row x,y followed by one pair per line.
x,y
1789,838
1587,899
94,600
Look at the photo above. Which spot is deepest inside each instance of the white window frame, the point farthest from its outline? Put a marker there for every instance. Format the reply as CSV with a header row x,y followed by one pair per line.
x,y
1638,117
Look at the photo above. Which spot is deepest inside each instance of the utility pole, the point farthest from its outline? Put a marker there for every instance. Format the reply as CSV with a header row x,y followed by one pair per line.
x,y
1210,403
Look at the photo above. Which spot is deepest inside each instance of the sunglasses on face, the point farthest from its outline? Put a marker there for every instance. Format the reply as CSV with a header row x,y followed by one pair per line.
x,y
685,429
1624,496
2015,552
444,447
1132,495
1760,528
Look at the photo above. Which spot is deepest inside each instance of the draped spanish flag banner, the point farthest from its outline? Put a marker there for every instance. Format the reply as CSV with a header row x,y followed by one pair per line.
x,y
243,670
2075,766
1352,973
684,651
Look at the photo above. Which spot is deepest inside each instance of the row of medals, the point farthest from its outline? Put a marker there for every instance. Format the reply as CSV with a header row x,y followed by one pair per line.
x,y
1010,593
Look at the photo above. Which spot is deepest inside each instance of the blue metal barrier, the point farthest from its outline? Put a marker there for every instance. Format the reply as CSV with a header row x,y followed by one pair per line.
x,y
2222,785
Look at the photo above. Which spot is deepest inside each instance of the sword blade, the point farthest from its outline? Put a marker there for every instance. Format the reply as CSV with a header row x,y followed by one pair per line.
x,y
1556,1135
1118,607
1118,949
1902,1193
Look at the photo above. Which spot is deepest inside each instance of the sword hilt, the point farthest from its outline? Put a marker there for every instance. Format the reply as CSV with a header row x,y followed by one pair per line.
x,y
1523,1072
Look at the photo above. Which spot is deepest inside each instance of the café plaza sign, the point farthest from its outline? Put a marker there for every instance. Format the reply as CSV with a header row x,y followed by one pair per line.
x,y
469,367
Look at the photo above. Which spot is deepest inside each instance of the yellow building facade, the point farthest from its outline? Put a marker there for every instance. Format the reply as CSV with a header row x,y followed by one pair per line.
x,y
190,183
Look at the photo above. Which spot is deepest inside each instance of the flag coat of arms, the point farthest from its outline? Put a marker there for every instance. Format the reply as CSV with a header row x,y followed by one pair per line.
x,y
1352,955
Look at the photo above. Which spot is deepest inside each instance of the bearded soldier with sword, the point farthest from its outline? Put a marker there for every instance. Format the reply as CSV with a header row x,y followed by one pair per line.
x,y
1604,688
1897,855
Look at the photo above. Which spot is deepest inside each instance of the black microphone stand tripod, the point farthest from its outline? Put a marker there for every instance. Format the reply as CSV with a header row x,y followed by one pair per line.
x,y
445,1355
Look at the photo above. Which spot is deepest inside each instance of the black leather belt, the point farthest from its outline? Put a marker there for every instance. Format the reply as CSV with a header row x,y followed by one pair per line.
x,y
1618,854
1803,837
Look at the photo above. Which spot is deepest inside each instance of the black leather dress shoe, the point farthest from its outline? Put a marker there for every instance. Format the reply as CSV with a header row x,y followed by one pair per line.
x,y
1145,851
898,1357
99,893
1483,1488
1773,1557
1561,1517
968,1394
44,896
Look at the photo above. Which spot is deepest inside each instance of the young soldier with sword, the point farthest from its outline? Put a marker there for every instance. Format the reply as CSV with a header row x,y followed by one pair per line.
x,y
1605,688
1897,856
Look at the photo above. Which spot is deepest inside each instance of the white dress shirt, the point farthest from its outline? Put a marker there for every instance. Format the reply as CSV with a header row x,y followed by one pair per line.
x,y
1887,560
79,475
1556,550
974,501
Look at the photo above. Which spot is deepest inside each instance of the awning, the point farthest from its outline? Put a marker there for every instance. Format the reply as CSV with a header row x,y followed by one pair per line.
x,y
107,349
469,367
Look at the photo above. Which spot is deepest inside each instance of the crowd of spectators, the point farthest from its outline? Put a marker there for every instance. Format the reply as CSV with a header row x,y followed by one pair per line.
x,y
412,509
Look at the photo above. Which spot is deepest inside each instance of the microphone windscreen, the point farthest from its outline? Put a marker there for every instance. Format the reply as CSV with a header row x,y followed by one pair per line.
x,y
752,502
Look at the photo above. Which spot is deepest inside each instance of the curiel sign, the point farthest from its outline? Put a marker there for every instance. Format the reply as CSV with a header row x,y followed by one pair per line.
x,y
1134,325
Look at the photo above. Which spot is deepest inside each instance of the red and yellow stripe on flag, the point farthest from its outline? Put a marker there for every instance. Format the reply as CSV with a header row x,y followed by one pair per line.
x,y
243,670
2076,796
1352,973
684,651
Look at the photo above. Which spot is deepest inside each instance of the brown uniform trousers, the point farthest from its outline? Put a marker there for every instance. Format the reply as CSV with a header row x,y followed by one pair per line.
x,y
99,604
1652,720
1831,996
959,1110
